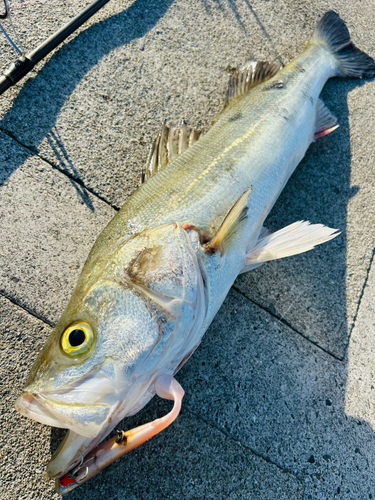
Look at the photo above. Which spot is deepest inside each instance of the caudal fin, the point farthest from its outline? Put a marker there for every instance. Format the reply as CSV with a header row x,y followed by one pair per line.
x,y
332,31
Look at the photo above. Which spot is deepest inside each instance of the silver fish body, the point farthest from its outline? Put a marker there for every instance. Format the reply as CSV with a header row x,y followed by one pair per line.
x,y
161,269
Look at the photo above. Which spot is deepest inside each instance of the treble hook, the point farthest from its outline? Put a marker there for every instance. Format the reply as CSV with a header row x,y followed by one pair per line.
x,y
5,15
73,473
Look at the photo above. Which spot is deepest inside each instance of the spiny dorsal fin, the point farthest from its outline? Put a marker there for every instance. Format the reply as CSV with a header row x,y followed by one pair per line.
x,y
231,224
251,75
171,142
325,121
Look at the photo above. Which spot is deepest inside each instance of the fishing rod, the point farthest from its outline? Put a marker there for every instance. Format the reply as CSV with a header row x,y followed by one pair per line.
x,y
25,63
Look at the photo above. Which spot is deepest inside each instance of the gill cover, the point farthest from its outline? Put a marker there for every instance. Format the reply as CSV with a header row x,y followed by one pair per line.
x,y
139,313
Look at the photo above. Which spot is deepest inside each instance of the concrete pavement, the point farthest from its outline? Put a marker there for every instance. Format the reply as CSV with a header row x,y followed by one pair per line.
x,y
279,395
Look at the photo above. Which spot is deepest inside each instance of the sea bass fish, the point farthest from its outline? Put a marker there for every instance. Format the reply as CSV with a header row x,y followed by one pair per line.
x,y
161,269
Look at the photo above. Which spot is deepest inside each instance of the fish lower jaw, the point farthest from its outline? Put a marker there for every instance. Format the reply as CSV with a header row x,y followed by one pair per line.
x,y
69,454
86,420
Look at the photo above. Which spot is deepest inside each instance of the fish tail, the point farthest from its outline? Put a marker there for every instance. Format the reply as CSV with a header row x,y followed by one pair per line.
x,y
351,62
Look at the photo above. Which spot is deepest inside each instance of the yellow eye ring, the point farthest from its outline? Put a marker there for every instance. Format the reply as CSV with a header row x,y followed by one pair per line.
x,y
77,338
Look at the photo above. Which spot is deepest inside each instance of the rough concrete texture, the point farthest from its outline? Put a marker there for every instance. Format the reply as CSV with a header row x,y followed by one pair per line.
x,y
155,471
76,134
283,398
44,253
360,386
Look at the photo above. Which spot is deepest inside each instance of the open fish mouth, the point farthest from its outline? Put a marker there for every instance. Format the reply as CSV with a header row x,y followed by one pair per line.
x,y
71,451
85,420
73,447
29,406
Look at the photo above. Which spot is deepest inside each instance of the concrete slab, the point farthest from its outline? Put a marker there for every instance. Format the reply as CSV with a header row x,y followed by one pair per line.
x,y
95,107
48,225
265,386
359,398
189,460
92,111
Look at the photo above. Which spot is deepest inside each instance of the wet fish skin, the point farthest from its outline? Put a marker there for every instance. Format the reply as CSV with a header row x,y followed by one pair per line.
x,y
150,288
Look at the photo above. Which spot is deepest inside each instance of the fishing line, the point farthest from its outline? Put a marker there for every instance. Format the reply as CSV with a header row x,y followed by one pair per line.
x,y
11,23
10,40
7,15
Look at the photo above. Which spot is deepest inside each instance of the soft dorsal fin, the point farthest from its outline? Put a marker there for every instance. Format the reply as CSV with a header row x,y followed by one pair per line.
x,y
251,75
231,224
171,142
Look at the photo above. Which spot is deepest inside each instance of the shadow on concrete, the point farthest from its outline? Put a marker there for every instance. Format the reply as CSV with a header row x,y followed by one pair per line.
x,y
309,291
234,8
58,78
301,428
262,385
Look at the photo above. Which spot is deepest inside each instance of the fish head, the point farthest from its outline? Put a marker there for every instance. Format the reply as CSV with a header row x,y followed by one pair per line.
x,y
116,335
82,378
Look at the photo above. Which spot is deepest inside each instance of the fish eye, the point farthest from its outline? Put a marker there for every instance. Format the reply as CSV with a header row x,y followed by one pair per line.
x,y
77,338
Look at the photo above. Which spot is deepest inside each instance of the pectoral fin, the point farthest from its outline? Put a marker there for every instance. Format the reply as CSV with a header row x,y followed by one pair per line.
x,y
230,226
297,238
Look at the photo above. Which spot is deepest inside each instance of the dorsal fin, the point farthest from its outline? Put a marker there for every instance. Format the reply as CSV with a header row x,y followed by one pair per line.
x,y
248,77
171,142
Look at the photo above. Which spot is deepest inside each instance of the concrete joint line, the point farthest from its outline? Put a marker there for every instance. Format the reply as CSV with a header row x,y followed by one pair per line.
x,y
67,174
361,296
26,309
286,323
259,455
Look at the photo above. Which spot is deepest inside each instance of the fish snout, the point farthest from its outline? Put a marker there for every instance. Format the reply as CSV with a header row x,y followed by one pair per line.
x,y
84,418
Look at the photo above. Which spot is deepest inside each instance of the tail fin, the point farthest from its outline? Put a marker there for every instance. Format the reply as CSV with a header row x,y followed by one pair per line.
x,y
332,31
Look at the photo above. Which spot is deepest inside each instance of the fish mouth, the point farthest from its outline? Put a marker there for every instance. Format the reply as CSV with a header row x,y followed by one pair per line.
x,y
87,420
72,448
29,406
70,453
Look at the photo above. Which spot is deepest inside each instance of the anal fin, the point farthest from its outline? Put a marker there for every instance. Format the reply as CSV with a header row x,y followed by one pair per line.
x,y
296,238
223,239
325,122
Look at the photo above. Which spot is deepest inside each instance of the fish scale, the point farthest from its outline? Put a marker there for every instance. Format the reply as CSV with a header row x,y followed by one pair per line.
x,y
203,184
163,266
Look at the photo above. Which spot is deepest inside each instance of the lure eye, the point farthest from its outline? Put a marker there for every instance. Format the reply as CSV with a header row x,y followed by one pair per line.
x,y
77,338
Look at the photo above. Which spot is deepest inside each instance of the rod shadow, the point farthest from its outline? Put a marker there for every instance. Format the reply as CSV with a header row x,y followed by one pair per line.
x,y
59,77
